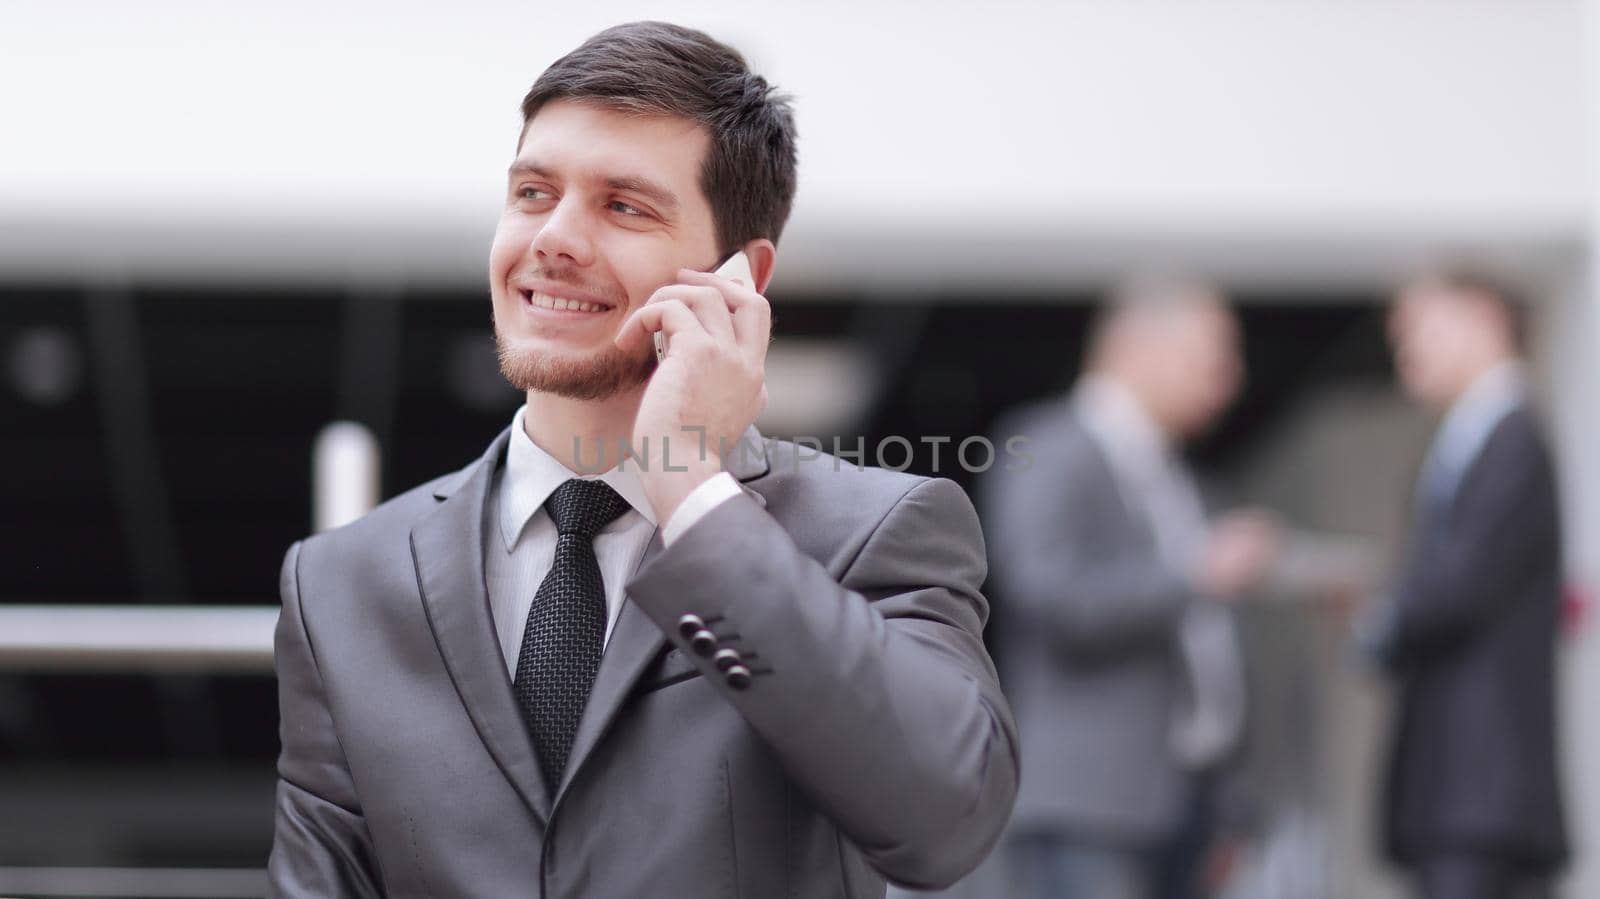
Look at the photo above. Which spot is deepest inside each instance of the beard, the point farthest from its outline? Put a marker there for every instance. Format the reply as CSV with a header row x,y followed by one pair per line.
x,y
598,376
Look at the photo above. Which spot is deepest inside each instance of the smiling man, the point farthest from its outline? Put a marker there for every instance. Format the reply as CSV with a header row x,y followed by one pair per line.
x,y
718,667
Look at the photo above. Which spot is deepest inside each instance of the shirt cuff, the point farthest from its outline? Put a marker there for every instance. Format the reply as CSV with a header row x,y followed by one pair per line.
x,y
712,492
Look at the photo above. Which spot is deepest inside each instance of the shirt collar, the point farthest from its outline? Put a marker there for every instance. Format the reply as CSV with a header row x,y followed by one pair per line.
x,y
531,475
1474,414
1114,416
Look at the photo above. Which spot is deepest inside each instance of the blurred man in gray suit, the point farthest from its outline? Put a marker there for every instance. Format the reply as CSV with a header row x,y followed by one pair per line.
x,y
1119,649
714,669
1473,807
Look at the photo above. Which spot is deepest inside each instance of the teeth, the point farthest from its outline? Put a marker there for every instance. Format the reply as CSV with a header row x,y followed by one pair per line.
x,y
545,301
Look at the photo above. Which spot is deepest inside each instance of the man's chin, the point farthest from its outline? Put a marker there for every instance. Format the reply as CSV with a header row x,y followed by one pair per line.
x,y
597,376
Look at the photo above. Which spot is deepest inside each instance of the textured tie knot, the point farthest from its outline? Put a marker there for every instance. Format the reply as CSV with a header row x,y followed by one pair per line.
x,y
583,507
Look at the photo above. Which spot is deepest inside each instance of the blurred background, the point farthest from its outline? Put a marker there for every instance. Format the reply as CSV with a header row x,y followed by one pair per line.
x,y
225,227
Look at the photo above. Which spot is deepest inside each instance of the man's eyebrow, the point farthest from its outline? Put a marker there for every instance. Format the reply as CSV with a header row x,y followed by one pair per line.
x,y
644,187
638,184
523,167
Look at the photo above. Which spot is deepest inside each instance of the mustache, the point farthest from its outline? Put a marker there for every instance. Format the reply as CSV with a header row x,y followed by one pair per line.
x,y
569,278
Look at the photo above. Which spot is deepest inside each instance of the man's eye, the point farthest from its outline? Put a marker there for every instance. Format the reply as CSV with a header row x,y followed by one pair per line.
x,y
532,193
624,208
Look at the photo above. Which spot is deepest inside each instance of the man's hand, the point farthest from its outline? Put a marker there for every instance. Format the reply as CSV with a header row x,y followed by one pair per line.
x,y
1243,546
707,390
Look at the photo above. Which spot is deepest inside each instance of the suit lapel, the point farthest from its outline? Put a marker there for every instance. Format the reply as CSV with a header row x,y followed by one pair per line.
x,y
635,640
447,548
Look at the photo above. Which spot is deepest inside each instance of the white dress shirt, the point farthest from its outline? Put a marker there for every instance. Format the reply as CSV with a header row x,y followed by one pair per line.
x,y
1150,476
521,539
1466,428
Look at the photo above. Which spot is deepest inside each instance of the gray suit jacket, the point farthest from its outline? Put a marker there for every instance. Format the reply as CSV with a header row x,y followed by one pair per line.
x,y
873,742
1089,637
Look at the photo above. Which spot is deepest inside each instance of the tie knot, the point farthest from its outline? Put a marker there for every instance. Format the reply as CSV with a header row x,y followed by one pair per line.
x,y
583,507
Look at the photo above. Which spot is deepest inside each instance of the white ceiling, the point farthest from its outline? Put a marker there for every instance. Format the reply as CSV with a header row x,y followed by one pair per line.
x,y
1035,143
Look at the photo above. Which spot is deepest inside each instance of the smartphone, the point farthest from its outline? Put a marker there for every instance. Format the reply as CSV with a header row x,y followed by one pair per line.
x,y
735,268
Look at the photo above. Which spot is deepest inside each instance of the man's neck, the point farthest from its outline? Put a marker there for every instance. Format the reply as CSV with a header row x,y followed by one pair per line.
x,y
587,436
1489,364
1128,390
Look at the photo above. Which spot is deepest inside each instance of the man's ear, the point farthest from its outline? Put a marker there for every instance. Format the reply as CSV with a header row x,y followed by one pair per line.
x,y
763,258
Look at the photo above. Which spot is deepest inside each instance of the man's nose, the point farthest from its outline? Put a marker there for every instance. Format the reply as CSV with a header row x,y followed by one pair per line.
x,y
564,238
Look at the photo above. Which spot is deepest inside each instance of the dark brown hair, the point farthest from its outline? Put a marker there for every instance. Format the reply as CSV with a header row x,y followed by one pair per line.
x,y
655,68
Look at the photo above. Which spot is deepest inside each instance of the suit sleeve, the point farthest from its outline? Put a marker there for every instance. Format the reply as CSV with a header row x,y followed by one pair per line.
x,y
1503,532
320,845
874,690
1059,572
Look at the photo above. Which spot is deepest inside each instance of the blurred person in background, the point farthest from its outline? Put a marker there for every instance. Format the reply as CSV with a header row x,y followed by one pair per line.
x,y
1469,629
1120,653
710,671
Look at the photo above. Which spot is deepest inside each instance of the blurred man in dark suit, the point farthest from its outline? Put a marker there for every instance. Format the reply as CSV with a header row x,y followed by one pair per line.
x,y
1473,808
1120,656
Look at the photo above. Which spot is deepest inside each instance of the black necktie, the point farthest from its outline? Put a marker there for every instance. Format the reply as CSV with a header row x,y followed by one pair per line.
x,y
565,634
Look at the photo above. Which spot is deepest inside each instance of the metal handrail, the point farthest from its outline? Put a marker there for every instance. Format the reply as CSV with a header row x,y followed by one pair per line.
x,y
209,883
166,638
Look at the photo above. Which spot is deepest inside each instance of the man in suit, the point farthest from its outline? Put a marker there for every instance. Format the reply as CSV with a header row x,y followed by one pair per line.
x,y
1473,808
1118,650
720,667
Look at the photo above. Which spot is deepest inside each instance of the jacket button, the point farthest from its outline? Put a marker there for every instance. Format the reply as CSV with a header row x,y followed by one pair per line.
x,y
738,677
727,658
688,624
703,642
